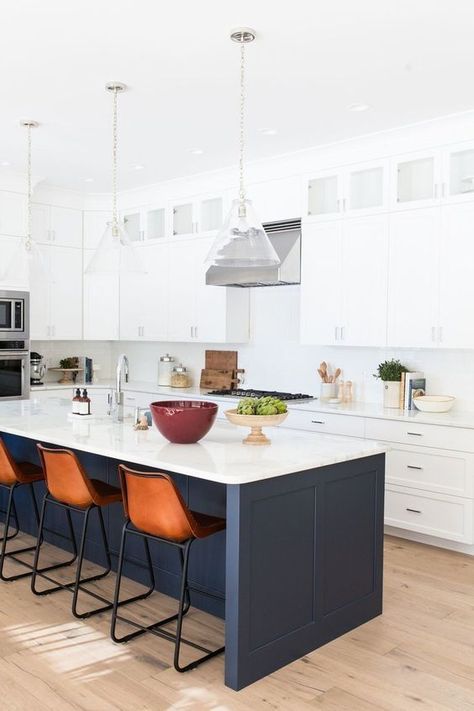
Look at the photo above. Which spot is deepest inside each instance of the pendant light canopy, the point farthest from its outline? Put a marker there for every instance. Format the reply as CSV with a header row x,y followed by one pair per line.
x,y
242,241
115,253
26,257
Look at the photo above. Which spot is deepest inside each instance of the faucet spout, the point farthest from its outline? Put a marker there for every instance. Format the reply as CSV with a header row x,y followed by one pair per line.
x,y
122,371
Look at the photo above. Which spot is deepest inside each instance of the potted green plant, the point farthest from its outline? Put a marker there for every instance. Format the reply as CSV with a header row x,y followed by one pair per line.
x,y
390,373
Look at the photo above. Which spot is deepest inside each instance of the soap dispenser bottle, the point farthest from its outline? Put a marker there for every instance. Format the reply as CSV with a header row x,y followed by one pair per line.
x,y
76,402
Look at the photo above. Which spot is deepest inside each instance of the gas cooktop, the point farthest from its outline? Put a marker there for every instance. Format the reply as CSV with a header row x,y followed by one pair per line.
x,y
241,392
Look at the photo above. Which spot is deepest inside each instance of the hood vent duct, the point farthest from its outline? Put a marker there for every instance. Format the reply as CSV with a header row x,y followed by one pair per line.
x,y
285,236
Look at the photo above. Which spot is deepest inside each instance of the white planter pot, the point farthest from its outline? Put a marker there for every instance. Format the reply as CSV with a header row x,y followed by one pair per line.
x,y
391,393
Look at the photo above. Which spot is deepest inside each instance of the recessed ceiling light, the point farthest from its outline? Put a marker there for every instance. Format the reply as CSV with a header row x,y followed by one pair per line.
x,y
88,180
359,107
5,163
197,152
138,166
268,131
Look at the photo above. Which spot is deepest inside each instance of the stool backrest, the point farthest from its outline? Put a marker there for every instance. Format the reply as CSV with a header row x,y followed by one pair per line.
x,y
9,473
65,478
152,502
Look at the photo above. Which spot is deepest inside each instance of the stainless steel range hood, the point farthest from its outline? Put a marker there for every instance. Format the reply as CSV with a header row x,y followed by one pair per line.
x,y
286,239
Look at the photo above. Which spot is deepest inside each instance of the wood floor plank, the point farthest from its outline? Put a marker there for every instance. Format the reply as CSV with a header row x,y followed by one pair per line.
x,y
418,655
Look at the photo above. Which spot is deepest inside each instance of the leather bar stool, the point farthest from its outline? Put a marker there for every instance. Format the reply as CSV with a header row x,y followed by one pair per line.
x,y
14,475
155,510
69,487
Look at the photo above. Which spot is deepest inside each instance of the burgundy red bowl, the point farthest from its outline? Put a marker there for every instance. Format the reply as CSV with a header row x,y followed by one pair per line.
x,y
183,421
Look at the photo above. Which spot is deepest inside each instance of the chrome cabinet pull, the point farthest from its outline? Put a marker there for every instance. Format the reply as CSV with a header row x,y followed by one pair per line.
x,y
415,434
412,466
336,332
318,422
414,510
433,333
343,330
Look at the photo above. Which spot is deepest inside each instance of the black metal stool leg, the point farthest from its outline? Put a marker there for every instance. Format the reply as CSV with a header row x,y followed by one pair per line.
x,y
116,601
10,536
41,571
4,554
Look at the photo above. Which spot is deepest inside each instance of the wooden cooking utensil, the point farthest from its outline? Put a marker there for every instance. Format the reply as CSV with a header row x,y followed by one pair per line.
x,y
337,374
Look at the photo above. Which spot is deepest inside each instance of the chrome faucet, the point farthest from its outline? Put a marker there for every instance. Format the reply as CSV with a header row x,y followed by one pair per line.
x,y
116,398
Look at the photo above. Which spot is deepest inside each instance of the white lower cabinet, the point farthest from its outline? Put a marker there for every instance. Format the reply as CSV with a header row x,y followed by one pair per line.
x,y
56,301
433,514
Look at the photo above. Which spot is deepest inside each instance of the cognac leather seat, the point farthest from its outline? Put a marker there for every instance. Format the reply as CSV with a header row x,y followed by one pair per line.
x,y
12,476
155,510
68,483
12,472
155,506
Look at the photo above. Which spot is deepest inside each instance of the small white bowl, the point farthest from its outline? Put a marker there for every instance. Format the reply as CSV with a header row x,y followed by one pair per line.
x,y
434,403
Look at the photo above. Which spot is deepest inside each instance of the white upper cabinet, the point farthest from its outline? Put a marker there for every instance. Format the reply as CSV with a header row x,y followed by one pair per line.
x,y
58,225
12,213
155,223
202,214
456,297
278,199
458,173
321,276
413,278
56,300
101,305
416,180
197,312
344,282
144,297
95,224
360,189
364,281
9,248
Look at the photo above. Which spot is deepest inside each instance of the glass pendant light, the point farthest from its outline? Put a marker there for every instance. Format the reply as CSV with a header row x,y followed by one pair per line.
x,y
27,257
242,241
115,253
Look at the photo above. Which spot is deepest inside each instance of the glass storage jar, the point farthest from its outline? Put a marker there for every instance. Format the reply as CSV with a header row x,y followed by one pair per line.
x,y
180,377
165,368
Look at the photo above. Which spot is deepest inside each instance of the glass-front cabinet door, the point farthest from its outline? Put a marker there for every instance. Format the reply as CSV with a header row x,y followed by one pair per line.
x,y
210,214
155,223
132,222
325,195
416,180
366,188
458,173
183,223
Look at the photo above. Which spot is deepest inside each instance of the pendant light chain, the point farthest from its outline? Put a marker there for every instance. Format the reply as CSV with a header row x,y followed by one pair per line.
x,y
29,218
114,165
242,123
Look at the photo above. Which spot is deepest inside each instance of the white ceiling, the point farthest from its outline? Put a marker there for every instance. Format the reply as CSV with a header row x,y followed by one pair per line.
x,y
409,59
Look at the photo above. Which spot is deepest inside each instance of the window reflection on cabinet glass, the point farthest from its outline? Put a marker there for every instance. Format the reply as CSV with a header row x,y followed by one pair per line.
x,y
155,224
132,226
323,195
211,214
416,180
366,188
183,219
461,172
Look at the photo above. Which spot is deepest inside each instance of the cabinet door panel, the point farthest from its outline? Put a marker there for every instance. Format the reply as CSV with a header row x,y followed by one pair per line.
x,y
41,223
182,290
276,199
144,297
211,301
66,226
66,293
364,281
101,305
321,282
12,213
456,282
95,223
40,316
413,278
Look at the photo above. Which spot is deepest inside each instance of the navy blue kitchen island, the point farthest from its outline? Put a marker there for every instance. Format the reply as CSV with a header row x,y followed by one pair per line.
x,y
301,560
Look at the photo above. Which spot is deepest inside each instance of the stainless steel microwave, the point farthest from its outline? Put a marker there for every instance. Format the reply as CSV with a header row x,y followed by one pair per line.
x,y
14,315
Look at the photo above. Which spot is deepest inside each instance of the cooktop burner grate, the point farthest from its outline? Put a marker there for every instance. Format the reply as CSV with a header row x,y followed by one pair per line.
x,y
241,392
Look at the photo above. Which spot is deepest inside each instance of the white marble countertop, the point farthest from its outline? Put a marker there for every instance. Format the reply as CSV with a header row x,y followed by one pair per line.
x,y
219,457
454,418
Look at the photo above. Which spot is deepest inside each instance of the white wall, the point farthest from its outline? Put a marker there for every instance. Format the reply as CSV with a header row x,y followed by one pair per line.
x,y
274,359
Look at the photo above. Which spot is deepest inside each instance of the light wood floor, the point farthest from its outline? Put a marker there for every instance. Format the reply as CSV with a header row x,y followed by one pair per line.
x,y
418,655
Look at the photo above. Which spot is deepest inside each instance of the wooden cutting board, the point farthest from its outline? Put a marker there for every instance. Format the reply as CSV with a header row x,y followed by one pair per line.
x,y
217,379
221,360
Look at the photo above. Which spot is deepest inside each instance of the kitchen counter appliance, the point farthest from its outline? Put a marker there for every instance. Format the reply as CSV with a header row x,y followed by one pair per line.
x,y
14,315
14,370
241,392
37,369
